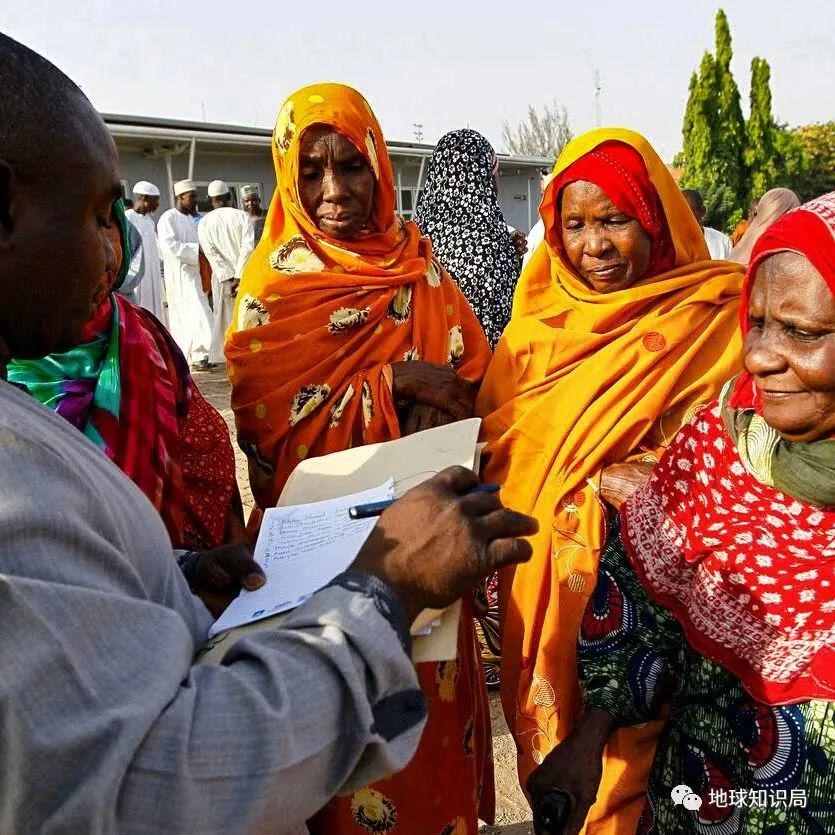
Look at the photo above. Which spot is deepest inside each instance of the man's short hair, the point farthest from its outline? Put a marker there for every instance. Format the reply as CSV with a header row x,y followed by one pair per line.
x,y
39,109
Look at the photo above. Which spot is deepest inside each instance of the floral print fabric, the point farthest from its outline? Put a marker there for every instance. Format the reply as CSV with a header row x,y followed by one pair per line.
x,y
459,210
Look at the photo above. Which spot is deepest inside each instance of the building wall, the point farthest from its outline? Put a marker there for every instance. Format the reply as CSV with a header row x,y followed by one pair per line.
x,y
518,187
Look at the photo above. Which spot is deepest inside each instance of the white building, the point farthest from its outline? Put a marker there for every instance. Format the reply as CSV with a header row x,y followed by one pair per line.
x,y
166,150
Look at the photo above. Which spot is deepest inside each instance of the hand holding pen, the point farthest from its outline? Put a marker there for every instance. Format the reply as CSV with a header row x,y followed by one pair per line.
x,y
435,543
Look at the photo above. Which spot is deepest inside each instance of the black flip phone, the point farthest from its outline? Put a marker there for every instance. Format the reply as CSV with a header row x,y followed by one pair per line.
x,y
550,813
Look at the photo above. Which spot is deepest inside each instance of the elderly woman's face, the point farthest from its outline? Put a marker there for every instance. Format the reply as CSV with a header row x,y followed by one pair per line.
x,y
336,183
609,250
790,347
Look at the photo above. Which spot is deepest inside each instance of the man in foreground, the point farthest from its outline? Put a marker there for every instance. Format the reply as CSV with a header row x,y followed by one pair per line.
x,y
189,315
108,727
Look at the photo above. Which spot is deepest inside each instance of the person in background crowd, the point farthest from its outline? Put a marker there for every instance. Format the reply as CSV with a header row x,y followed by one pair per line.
x,y
252,206
346,332
227,239
115,728
219,194
458,210
189,314
537,234
716,596
770,208
621,327
718,243
150,292
742,227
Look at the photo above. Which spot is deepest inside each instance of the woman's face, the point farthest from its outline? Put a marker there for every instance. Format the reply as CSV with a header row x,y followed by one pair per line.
x,y
790,347
336,183
609,250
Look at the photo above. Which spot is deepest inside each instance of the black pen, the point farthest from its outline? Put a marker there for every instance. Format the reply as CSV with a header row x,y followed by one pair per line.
x,y
368,511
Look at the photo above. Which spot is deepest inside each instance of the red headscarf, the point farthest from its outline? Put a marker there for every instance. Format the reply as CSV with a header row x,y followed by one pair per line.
x,y
619,170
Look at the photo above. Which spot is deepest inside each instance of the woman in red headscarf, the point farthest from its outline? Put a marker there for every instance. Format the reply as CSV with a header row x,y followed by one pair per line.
x,y
621,327
717,584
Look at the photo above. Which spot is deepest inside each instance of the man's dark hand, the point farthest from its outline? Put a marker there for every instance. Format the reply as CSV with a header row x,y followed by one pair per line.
x,y
218,575
434,544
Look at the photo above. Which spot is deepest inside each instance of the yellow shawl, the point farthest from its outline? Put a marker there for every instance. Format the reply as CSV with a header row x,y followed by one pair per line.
x,y
581,380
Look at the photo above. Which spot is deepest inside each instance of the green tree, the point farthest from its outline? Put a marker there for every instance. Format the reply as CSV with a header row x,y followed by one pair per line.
x,y
816,145
762,155
714,132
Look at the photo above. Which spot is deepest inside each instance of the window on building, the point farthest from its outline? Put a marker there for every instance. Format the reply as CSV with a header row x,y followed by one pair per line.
x,y
407,201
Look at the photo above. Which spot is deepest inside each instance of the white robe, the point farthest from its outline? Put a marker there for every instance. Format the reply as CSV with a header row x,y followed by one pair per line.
x,y
718,244
189,314
227,238
535,237
150,293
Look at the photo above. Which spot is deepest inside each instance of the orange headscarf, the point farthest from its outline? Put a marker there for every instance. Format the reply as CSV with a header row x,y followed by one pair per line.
x,y
581,380
319,320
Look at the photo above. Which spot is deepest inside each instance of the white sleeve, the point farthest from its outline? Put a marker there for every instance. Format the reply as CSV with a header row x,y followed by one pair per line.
x,y
188,253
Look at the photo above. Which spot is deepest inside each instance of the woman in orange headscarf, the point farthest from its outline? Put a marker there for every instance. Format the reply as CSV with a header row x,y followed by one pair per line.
x,y
347,332
621,327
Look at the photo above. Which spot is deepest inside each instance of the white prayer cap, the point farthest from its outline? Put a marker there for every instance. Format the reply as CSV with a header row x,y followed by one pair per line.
x,y
184,187
146,188
217,188
248,191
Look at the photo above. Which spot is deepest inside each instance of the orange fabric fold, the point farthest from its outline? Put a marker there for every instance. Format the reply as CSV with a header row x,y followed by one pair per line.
x,y
581,380
317,324
318,320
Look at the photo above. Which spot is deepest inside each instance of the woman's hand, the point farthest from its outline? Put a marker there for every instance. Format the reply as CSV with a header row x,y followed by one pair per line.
x,y
620,481
574,768
520,242
434,385
422,417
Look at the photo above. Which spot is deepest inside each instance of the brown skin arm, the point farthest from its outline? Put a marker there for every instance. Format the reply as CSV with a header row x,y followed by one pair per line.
x,y
620,481
422,417
222,572
434,544
434,385
575,767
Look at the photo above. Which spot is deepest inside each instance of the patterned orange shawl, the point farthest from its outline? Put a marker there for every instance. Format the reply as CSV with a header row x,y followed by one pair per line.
x,y
318,321
581,380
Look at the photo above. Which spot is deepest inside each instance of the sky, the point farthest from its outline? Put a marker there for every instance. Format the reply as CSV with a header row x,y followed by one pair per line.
x,y
445,65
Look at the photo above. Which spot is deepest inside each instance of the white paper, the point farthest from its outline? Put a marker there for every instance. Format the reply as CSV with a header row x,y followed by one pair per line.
x,y
301,549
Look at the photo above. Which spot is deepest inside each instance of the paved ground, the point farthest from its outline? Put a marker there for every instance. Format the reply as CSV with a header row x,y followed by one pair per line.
x,y
512,811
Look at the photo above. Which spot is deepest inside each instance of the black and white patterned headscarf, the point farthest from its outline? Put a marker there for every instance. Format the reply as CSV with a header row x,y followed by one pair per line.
x,y
459,210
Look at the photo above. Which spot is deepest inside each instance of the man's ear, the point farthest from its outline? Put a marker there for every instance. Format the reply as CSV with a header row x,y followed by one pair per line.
x,y
6,196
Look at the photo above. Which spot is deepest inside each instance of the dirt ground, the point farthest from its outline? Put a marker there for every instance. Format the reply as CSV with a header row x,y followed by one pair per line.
x,y
512,811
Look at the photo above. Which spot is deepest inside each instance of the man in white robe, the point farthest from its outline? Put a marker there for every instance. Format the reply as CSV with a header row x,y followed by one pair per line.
x,y
227,238
189,314
150,293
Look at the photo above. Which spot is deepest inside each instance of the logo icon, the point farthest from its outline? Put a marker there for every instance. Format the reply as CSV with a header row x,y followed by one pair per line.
x,y
683,796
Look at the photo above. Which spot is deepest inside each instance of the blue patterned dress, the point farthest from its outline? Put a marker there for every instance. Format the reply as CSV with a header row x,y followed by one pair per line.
x,y
725,764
